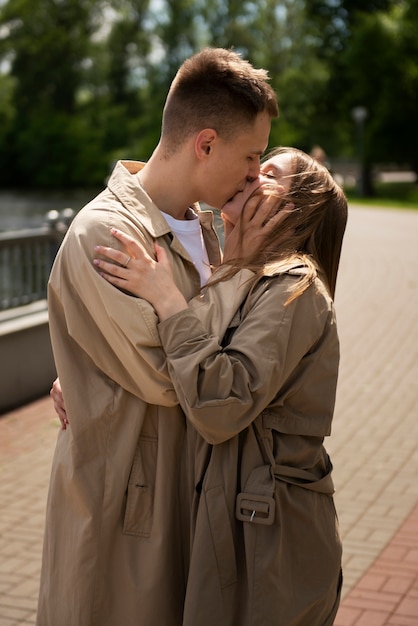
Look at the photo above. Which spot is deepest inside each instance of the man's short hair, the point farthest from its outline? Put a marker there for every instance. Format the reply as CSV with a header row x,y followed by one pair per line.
x,y
215,88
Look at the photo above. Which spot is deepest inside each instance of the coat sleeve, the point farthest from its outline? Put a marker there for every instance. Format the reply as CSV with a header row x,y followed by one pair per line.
x,y
223,389
118,332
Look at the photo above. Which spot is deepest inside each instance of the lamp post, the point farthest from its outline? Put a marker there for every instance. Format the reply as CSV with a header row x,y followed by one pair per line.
x,y
360,114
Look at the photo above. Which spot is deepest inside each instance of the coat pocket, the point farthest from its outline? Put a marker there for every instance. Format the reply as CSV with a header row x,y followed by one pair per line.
x,y
221,535
141,488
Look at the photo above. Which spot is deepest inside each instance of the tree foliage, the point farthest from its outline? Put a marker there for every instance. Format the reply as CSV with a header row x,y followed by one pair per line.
x,y
83,82
376,68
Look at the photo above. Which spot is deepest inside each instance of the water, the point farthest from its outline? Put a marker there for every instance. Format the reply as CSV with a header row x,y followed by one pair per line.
x,y
28,209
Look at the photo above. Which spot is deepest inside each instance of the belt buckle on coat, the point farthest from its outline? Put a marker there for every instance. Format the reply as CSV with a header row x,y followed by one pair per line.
x,y
255,509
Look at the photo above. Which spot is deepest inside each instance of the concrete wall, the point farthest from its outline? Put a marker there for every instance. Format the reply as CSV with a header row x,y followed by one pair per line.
x,y
26,362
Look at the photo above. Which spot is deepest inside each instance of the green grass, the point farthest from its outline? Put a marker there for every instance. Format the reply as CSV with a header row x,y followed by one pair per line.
x,y
390,195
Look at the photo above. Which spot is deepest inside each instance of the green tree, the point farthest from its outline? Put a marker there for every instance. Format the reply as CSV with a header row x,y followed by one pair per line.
x,y
119,100
88,78
372,52
7,110
299,75
48,45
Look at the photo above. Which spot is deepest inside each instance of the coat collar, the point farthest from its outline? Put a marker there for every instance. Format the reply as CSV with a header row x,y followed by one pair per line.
x,y
124,183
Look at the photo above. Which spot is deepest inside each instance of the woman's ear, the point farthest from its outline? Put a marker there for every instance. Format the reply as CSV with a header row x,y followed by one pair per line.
x,y
204,142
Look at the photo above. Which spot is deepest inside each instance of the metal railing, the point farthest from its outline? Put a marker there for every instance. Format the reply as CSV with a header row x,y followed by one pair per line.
x,y
26,258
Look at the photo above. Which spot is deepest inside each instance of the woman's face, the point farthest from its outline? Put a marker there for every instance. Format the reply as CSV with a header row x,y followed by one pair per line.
x,y
274,175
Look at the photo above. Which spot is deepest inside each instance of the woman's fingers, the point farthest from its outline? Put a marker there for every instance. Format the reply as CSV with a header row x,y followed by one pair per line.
x,y
110,268
133,271
58,400
127,278
121,283
132,251
161,256
228,225
122,258
266,204
277,217
131,245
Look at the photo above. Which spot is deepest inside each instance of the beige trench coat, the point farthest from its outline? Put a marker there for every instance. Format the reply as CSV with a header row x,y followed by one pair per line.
x,y
117,537
265,548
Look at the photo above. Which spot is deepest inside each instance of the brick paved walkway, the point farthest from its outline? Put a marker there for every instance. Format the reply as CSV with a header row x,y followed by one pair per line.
x,y
373,444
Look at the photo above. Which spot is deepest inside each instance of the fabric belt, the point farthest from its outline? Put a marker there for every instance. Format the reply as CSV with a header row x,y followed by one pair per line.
x,y
305,479
256,505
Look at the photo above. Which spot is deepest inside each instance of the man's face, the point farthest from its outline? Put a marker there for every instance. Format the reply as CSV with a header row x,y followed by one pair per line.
x,y
235,162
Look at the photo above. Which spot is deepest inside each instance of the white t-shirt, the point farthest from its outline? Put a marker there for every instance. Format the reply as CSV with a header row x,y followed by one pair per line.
x,y
189,233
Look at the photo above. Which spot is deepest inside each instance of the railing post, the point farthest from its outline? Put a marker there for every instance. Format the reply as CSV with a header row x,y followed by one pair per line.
x,y
26,258
58,223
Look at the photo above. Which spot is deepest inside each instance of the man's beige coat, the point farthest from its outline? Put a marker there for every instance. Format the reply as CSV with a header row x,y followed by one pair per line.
x,y
117,536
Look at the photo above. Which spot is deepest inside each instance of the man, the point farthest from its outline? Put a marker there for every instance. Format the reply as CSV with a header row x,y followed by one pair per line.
x,y
118,515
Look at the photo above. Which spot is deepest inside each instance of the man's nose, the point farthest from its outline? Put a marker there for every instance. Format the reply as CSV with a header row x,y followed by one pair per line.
x,y
254,171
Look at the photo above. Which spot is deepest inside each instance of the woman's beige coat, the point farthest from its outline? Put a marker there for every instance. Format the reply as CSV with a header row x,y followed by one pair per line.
x,y
265,546
117,535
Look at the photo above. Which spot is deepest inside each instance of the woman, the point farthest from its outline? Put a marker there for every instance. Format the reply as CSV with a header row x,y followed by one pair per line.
x,y
258,388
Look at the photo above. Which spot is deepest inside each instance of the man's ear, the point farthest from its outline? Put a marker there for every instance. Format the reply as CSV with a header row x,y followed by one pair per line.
x,y
204,142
